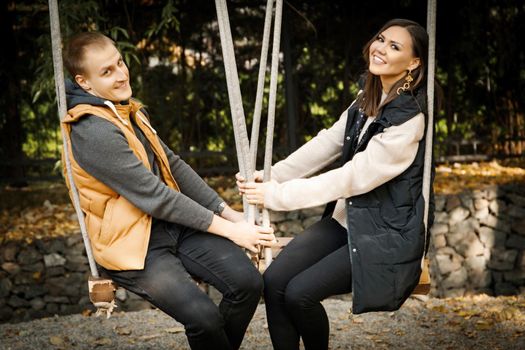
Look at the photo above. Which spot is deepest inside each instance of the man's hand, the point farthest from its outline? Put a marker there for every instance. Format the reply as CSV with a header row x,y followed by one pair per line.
x,y
250,236
243,234
232,215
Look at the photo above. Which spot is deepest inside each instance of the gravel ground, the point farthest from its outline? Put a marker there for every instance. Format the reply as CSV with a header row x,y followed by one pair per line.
x,y
479,322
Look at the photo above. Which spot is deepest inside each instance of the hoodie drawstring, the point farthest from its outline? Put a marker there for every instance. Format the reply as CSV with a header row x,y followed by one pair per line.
x,y
114,109
145,122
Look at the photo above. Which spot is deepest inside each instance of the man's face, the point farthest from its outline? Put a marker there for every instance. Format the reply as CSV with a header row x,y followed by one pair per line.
x,y
105,74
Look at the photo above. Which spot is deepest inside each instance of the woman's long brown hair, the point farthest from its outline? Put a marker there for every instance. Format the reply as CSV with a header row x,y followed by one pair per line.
x,y
370,99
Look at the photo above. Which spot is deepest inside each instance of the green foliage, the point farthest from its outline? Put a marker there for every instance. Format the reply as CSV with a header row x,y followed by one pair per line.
x,y
168,22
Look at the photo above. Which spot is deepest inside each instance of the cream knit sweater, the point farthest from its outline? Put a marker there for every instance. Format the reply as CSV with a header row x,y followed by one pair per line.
x,y
387,155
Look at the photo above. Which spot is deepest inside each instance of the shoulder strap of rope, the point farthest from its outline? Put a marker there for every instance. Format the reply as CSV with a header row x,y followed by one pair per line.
x,y
101,290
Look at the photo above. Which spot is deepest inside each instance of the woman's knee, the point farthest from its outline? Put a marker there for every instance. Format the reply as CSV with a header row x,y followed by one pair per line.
x,y
297,298
275,281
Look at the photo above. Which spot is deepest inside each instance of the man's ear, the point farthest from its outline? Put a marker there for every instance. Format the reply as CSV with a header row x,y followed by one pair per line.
x,y
81,80
416,62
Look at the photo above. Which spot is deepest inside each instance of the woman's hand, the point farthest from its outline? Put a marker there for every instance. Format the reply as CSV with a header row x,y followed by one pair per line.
x,y
253,191
257,177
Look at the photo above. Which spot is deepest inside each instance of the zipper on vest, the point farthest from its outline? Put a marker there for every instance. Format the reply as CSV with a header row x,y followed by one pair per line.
x,y
360,144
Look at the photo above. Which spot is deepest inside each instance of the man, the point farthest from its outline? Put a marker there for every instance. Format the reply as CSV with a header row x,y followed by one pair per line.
x,y
152,221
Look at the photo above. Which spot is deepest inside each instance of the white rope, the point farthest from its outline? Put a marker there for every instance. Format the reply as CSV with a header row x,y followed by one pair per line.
x,y
254,139
56,44
235,97
247,159
271,114
431,29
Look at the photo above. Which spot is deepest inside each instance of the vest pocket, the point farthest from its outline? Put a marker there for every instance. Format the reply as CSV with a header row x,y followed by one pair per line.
x,y
105,230
396,218
397,204
377,219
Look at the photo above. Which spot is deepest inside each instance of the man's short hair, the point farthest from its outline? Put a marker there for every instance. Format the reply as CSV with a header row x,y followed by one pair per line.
x,y
76,46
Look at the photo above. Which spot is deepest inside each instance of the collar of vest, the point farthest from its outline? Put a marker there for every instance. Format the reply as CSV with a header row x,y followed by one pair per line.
x,y
403,108
122,112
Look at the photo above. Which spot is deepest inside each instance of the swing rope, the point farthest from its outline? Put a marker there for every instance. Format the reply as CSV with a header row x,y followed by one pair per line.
x,y
101,291
271,115
234,94
431,29
424,281
247,159
254,139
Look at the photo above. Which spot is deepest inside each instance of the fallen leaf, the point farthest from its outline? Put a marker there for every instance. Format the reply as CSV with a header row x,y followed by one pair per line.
x,y
467,314
440,308
175,330
57,341
150,336
509,313
102,341
484,325
470,334
357,320
87,312
453,322
122,330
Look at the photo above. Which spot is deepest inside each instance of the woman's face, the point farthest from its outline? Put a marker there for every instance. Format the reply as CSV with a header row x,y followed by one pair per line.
x,y
391,56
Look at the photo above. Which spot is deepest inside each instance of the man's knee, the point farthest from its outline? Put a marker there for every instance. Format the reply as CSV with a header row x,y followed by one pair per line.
x,y
204,320
248,284
252,283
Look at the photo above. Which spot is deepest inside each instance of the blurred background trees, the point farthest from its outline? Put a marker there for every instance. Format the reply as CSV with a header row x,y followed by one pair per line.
x,y
173,51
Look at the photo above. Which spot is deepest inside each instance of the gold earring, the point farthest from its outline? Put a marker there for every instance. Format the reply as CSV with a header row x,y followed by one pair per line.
x,y
406,84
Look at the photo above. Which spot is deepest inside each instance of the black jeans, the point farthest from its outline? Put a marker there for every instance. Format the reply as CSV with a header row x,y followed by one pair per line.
x,y
176,253
314,266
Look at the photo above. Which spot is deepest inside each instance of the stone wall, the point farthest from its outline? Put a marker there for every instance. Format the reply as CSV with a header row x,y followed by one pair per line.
x,y
478,242
49,277
477,246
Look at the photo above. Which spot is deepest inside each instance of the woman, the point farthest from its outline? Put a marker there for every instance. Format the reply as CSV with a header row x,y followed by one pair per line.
x,y
370,240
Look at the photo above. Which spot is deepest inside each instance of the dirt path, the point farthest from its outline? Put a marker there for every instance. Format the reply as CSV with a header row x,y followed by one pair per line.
x,y
479,322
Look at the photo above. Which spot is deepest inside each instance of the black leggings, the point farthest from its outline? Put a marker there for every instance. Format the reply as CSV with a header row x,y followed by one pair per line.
x,y
314,266
175,253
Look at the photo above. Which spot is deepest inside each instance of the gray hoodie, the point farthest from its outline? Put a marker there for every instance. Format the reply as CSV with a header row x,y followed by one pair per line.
x,y
102,150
